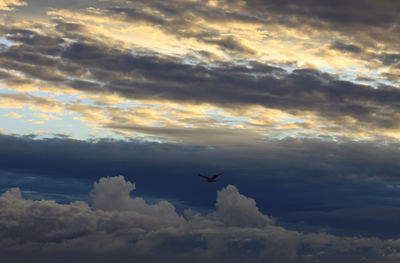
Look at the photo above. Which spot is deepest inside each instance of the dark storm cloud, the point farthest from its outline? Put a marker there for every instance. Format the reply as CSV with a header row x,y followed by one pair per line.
x,y
338,12
335,14
84,85
390,59
151,76
118,226
351,221
364,78
11,79
304,175
30,60
32,38
346,47
354,159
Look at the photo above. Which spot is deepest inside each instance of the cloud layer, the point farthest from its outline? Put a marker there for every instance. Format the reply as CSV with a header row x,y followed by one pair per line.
x,y
122,228
69,56
8,5
313,180
297,102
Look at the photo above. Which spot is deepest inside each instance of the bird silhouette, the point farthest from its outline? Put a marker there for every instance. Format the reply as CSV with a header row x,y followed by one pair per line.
x,y
212,178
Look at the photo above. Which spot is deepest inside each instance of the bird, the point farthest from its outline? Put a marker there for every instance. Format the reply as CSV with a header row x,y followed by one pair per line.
x,y
212,178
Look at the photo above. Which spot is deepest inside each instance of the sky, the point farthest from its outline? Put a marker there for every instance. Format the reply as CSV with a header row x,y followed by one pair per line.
x,y
110,108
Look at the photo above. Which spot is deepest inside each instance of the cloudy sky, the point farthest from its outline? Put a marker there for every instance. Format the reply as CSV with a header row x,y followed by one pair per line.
x,y
110,108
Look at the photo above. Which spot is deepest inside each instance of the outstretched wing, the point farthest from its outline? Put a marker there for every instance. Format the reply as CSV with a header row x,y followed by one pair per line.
x,y
203,176
215,176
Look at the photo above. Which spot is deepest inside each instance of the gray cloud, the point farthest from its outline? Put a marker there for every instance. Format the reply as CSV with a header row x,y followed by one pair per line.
x,y
390,59
111,194
362,159
352,19
310,11
319,183
237,210
340,220
9,5
34,100
346,47
306,176
150,76
180,19
337,13
346,20
133,228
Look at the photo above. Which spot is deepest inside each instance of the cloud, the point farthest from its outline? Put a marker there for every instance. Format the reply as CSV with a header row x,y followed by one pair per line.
x,y
295,172
335,15
340,221
135,229
112,193
205,21
346,47
235,209
18,100
8,5
326,157
243,29
181,19
148,76
13,115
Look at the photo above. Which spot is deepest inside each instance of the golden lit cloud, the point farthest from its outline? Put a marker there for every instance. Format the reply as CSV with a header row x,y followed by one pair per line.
x,y
8,5
297,101
289,45
46,117
36,122
13,115
19,101
214,36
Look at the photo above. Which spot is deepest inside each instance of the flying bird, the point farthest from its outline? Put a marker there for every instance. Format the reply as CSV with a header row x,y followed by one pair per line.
x,y
212,178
